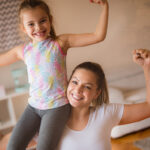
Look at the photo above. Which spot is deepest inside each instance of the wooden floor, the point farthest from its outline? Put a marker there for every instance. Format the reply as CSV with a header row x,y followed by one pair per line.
x,y
4,142
126,142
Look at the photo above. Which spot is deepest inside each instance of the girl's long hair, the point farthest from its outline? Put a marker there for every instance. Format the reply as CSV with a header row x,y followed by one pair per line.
x,y
39,3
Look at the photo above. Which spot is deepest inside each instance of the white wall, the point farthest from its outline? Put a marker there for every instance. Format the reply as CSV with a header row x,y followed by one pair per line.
x,y
129,27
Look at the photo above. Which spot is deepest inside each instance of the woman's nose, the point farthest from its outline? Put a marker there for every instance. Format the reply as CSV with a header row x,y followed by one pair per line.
x,y
78,89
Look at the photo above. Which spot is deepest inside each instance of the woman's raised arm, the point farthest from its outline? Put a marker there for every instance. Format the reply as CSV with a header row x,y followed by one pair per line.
x,y
137,112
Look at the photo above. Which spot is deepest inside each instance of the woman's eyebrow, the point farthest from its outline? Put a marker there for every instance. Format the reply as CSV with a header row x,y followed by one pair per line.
x,y
74,77
87,83
91,84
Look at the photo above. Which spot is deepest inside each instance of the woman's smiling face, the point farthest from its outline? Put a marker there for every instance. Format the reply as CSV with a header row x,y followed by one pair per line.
x,y
82,88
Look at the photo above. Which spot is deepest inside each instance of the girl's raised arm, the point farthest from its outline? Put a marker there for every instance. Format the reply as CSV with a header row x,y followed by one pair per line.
x,y
137,112
77,40
11,56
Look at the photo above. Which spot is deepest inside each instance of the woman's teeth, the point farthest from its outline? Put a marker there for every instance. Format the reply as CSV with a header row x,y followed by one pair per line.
x,y
77,97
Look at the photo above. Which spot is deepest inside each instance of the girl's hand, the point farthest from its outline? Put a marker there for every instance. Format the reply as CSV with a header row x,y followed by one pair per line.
x,y
142,57
101,2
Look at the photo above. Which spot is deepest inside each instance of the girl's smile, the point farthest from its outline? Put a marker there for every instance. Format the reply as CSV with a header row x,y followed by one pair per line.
x,y
36,23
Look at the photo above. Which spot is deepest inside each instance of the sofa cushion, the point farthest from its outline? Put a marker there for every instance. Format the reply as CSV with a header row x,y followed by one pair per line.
x,y
132,97
136,96
115,95
122,130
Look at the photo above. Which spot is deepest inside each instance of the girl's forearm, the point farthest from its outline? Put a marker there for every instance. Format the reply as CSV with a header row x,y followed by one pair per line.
x,y
101,28
11,56
6,60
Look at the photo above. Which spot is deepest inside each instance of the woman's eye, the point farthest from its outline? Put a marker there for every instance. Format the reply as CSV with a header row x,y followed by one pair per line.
x,y
87,87
74,82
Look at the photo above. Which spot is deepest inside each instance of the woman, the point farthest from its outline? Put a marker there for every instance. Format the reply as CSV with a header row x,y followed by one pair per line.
x,y
92,118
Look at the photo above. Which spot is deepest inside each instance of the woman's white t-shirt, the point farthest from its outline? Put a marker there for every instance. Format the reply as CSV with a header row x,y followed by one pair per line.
x,y
96,135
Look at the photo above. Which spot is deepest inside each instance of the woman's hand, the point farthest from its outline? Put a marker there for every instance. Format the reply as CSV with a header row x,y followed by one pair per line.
x,y
139,111
101,2
142,57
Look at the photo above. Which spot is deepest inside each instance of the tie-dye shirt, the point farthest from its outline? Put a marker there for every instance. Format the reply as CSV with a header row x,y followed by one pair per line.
x,y
46,67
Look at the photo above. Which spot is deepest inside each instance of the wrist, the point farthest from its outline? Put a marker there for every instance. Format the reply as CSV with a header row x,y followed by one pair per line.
x,y
105,5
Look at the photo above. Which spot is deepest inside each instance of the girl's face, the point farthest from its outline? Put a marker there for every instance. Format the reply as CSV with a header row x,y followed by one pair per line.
x,y
82,88
35,23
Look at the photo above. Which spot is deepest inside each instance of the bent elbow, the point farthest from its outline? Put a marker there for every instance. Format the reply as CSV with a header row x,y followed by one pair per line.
x,y
104,37
100,37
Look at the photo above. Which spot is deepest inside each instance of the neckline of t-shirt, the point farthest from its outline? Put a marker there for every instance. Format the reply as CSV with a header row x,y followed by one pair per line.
x,y
86,127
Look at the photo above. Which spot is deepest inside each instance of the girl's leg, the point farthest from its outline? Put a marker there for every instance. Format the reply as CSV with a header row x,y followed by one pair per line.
x,y
51,128
25,129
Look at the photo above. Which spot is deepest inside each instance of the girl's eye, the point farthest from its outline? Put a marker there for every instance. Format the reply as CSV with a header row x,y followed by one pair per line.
x,y
43,20
30,24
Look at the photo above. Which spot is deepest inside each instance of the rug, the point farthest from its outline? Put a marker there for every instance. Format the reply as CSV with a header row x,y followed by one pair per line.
x,y
143,144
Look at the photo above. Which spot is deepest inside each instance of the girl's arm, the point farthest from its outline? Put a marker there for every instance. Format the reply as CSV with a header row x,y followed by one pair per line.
x,y
77,40
11,56
137,112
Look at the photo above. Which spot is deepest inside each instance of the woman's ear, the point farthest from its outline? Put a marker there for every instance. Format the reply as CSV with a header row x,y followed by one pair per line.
x,y
98,93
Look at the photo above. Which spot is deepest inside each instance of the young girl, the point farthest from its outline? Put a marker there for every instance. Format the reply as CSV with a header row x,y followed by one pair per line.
x,y
45,57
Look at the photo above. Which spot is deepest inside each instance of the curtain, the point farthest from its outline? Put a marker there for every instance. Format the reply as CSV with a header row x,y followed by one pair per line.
x,y
9,26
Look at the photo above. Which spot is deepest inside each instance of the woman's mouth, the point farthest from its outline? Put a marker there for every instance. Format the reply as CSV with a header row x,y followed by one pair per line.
x,y
77,97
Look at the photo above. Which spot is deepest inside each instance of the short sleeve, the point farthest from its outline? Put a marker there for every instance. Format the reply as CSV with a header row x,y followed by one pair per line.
x,y
116,111
111,113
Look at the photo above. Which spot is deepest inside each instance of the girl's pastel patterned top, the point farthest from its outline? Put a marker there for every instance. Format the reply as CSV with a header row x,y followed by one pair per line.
x,y
46,67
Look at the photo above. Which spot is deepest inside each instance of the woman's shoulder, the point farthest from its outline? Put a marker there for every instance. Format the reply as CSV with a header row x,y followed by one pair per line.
x,y
111,112
111,108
